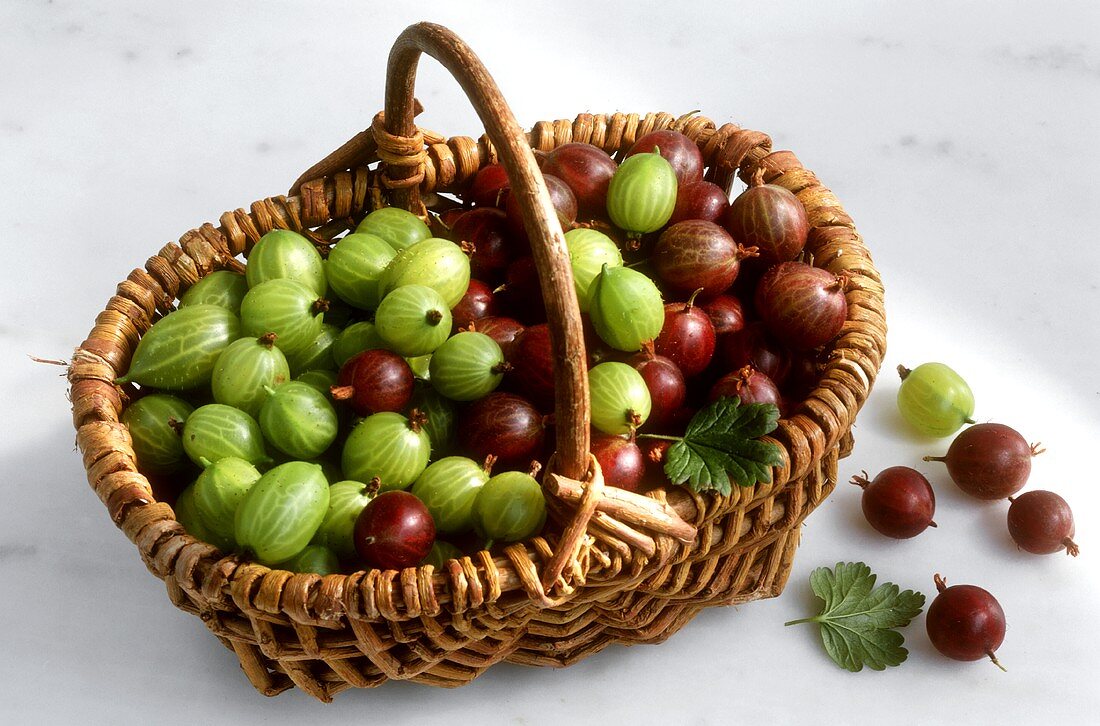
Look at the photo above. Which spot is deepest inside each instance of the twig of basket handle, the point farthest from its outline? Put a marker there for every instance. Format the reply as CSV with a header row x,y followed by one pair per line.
x,y
629,507
356,151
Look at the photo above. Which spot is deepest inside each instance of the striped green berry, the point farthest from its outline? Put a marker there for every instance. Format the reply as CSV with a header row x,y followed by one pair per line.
x,y
399,228
282,511
222,288
282,254
219,490
468,366
156,423
179,352
354,267
642,194
626,308
284,307
436,263
215,431
245,370
346,500
387,446
298,420
619,396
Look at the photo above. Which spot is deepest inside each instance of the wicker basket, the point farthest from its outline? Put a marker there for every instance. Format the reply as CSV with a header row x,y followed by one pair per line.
x,y
612,567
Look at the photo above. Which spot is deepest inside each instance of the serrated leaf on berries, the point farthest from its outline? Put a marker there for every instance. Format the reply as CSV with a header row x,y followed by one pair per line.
x,y
721,444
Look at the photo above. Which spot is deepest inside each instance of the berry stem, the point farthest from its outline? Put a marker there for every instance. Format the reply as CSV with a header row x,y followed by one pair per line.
x,y
969,420
840,283
691,300
417,419
941,584
1071,547
661,437
903,372
996,662
744,253
861,481
488,464
341,393
757,177
935,458
1037,448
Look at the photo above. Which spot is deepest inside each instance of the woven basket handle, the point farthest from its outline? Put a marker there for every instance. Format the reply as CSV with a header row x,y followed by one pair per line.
x,y
401,145
539,217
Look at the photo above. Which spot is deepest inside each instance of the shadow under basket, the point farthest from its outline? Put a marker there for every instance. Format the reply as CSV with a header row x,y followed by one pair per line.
x,y
610,567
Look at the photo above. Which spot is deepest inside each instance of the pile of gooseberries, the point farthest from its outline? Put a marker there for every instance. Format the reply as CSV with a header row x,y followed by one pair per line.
x,y
987,461
386,399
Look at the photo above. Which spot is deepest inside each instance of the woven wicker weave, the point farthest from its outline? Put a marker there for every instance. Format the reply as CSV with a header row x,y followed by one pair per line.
x,y
612,567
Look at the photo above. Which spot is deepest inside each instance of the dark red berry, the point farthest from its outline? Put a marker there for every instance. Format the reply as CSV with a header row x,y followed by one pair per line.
x,y
698,254
700,200
751,346
503,330
478,302
502,425
899,502
532,362
373,381
677,149
726,314
488,186
687,338
586,170
523,292
771,219
394,531
989,460
803,306
667,388
620,460
751,386
484,229
1041,522
565,204
965,622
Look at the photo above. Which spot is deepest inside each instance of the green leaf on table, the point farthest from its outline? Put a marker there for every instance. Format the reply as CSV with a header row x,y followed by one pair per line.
x,y
721,444
858,621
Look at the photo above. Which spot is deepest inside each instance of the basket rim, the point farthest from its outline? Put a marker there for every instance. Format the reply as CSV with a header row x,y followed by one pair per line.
x,y
224,582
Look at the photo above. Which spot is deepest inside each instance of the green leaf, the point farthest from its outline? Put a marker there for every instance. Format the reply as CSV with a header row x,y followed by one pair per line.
x,y
720,444
858,620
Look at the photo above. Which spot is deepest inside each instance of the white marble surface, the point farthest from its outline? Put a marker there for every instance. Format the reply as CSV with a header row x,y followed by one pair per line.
x,y
960,136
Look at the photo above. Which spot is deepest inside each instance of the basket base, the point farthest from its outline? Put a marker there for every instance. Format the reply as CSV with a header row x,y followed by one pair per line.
x,y
648,614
